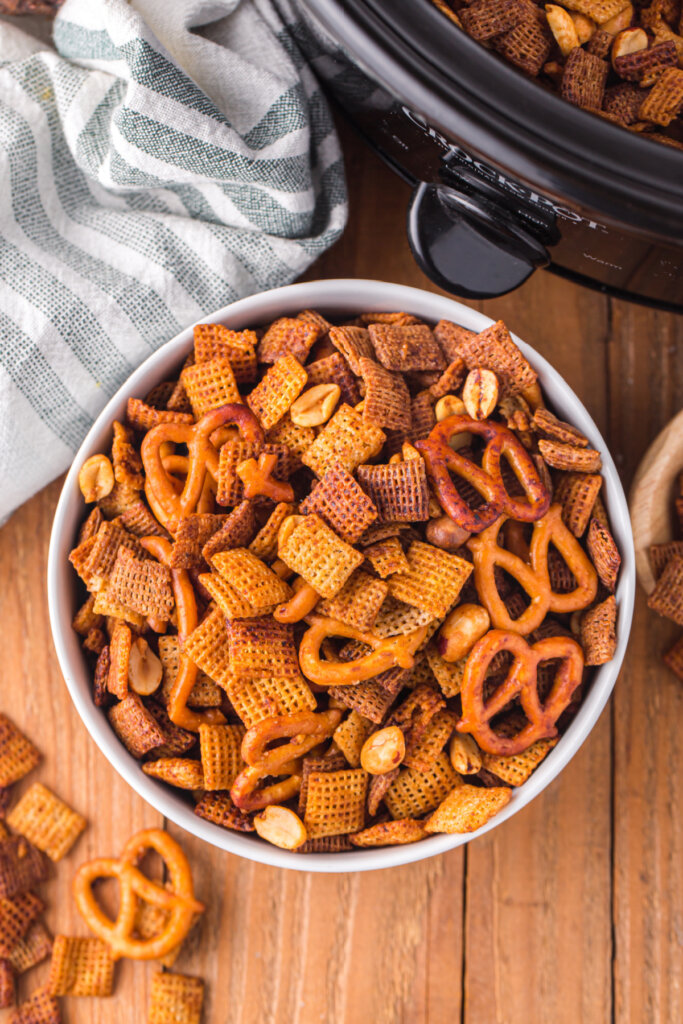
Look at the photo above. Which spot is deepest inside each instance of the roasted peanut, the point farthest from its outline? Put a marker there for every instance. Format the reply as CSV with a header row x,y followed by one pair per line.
x,y
632,40
383,751
96,478
533,396
480,393
562,27
409,452
281,827
619,21
585,27
464,754
315,406
144,668
449,405
463,627
444,533
287,527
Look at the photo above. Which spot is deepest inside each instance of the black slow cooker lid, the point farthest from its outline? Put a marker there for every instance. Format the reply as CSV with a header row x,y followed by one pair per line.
x,y
511,121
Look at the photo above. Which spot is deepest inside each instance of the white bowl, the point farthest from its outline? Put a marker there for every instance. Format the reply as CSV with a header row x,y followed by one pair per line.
x,y
337,297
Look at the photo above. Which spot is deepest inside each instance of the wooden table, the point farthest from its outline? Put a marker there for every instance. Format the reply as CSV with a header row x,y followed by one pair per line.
x,y
572,912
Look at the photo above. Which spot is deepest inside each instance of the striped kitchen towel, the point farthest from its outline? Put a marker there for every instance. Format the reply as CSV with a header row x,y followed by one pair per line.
x,y
168,157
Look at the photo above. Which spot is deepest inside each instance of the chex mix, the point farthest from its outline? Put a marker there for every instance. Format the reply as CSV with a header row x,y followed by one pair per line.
x,y
619,60
667,596
344,583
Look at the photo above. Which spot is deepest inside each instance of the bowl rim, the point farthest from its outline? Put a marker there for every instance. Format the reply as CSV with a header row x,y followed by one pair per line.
x,y
336,295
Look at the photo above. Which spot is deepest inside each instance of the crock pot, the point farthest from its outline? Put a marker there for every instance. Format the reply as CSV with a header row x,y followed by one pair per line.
x,y
507,177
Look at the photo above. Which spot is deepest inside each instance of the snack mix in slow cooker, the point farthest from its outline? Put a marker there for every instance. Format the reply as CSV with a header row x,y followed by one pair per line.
x,y
619,60
345,581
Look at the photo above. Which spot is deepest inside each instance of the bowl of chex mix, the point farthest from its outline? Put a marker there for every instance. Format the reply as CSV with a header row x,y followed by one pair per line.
x,y
342,577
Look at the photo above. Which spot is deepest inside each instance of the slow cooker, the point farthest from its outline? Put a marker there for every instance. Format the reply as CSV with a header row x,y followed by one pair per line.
x,y
507,177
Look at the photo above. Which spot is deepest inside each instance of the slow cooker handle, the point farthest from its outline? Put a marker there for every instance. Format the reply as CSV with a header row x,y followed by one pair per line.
x,y
467,245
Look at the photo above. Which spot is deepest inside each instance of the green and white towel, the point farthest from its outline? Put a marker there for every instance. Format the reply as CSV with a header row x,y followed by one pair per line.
x,y
169,157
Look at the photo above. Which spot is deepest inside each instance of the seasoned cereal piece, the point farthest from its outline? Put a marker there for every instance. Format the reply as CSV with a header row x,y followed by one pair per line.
x,y
22,866
557,430
334,369
661,554
143,417
450,337
390,833
181,772
135,726
448,673
46,821
293,436
288,336
204,694
604,554
316,553
346,439
35,946
350,735
221,753
330,762
373,698
119,658
18,756
386,557
645,66
598,632
219,808
424,744
467,808
139,521
210,385
233,453
252,579
494,349
175,999
125,458
215,341
569,457
192,534
277,391
387,399
396,618
665,100
16,916
673,658
335,804
415,793
264,544
354,343
236,532
41,1008
667,597
262,647
578,493
342,503
406,347
108,541
358,602
80,967
7,990
399,490
515,770
262,697
225,596
207,647
434,580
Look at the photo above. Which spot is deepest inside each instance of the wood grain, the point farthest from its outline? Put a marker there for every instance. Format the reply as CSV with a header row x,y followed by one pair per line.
x,y
571,912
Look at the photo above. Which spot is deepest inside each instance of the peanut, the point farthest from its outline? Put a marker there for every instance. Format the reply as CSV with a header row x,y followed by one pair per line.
x,y
287,527
281,827
619,21
449,405
463,627
562,27
631,40
585,27
480,393
315,406
446,534
144,668
383,751
464,754
96,478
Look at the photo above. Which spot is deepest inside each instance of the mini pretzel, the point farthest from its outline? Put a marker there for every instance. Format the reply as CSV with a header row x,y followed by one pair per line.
x,y
300,605
248,796
186,611
442,460
306,728
533,576
168,505
258,479
521,681
387,653
176,896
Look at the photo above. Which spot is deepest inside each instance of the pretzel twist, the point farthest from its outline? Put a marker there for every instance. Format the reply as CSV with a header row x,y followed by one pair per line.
x,y
441,460
161,485
306,729
533,576
390,652
258,480
176,896
521,681
186,610
248,795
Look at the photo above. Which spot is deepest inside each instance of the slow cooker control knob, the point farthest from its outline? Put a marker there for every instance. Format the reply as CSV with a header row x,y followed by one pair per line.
x,y
467,245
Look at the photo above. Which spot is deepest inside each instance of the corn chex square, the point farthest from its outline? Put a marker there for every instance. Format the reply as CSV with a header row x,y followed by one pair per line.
x,y
316,553
264,544
215,341
414,793
204,694
335,803
18,756
342,503
221,753
80,967
386,557
259,698
358,602
207,647
225,596
346,439
351,734
262,647
252,579
517,768
175,999
210,385
434,581
46,821
279,388
467,808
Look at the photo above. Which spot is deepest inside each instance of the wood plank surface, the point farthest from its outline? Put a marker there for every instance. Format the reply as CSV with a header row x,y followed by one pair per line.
x,y
573,911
